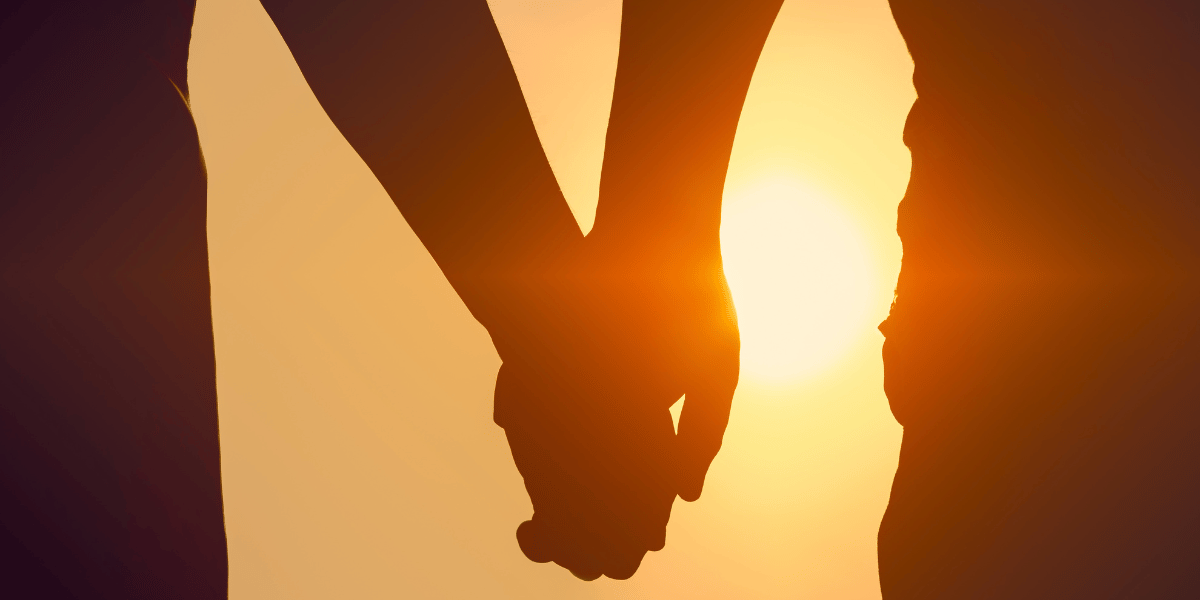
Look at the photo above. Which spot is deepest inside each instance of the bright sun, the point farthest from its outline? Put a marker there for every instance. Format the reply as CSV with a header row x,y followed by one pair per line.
x,y
801,278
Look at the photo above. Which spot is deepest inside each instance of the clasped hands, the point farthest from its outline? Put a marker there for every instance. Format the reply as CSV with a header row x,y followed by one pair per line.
x,y
603,344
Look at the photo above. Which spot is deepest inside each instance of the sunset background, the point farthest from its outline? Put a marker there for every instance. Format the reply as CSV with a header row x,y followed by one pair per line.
x,y
359,455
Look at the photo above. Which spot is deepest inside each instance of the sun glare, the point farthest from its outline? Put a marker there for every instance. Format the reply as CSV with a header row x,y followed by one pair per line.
x,y
801,277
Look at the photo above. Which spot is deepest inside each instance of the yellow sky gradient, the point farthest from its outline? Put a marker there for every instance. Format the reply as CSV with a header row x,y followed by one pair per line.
x,y
359,456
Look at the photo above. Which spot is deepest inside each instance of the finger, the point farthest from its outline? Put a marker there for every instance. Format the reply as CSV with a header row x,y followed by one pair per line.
x,y
566,525
702,425
577,549
567,543
633,529
586,574
656,535
657,485
624,565
646,523
570,548
535,542
607,543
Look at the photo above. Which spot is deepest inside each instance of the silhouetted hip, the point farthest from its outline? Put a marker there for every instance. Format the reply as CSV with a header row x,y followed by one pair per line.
x,y
109,457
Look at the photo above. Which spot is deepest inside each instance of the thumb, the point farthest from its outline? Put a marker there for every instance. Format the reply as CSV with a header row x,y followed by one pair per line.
x,y
701,427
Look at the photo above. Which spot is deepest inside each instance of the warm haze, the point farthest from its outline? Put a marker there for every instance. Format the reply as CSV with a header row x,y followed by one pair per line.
x,y
354,433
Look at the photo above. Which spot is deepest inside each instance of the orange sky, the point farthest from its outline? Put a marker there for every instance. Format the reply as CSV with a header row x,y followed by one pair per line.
x,y
359,457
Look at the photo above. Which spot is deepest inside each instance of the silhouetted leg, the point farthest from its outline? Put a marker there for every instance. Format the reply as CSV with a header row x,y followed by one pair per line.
x,y
109,456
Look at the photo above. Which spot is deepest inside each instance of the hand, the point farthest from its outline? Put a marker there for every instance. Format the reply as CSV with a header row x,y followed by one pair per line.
x,y
599,477
584,396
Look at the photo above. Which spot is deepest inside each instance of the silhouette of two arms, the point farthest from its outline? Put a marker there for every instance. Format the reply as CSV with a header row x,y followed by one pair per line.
x,y
599,336
660,321
659,318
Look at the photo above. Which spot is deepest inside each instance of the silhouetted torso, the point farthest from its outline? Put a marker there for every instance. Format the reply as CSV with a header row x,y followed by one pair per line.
x,y
108,427
1042,349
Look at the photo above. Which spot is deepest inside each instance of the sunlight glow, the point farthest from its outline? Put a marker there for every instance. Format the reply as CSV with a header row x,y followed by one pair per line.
x,y
801,278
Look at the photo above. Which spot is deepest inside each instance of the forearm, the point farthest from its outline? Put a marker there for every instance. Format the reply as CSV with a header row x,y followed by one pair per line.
x,y
682,77
425,93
